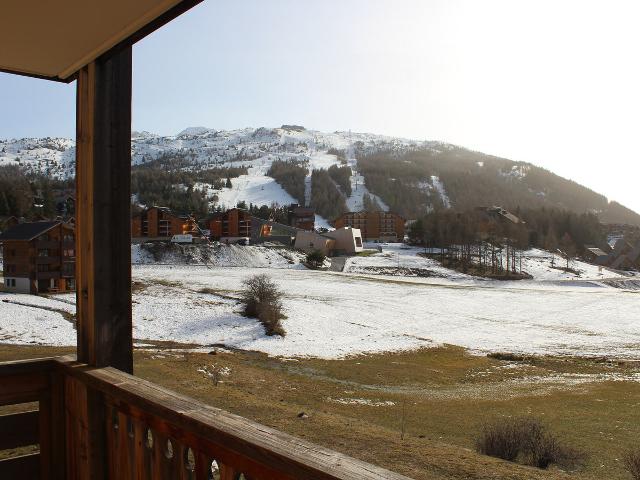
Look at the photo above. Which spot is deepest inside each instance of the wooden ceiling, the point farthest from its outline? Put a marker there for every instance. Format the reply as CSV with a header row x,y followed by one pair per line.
x,y
54,39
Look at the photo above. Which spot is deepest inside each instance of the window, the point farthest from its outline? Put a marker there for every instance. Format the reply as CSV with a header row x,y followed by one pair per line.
x,y
10,282
43,267
43,252
358,242
10,268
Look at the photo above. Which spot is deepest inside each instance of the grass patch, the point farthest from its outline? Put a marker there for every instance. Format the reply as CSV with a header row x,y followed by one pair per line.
x,y
447,394
168,283
218,293
366,253
507,357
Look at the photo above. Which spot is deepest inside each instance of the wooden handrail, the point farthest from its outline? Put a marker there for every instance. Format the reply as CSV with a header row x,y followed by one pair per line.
x,y
130,428
237,444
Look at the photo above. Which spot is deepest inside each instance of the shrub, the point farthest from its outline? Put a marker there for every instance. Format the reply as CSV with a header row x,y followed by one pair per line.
x,y
528,441
315,259
631,461
263,300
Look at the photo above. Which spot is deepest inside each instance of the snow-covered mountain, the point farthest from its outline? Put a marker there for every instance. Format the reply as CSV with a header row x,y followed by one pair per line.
x,y
409,175
201,148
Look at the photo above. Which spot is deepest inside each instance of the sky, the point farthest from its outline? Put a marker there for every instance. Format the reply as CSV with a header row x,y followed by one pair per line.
x,y
554,83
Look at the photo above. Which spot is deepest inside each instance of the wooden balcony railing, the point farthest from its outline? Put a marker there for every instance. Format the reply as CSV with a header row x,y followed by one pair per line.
x,y
97,423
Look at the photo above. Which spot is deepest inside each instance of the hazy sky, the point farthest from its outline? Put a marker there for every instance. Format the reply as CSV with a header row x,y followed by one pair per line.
x,y
555,83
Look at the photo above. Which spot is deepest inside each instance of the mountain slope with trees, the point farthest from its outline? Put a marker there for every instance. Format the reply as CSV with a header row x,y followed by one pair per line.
x,y
407,176
405,181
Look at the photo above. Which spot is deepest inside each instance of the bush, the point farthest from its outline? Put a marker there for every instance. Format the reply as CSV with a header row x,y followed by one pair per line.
x,y
528,441
631,461
315,259
263,300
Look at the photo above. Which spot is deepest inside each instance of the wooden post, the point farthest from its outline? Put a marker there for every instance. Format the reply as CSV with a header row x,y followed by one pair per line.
x,y
103,221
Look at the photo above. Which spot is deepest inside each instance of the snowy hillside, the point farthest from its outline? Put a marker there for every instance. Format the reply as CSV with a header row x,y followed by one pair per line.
x,y
202,148
409,177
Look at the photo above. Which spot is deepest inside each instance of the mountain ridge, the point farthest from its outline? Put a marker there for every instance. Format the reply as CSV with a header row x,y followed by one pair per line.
x,y
436,174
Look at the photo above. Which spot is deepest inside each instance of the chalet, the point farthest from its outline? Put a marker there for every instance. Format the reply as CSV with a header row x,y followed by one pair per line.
x,y
39,257
161,223
625,256
376,226
233,223
341,241
301,217
502,214
594,254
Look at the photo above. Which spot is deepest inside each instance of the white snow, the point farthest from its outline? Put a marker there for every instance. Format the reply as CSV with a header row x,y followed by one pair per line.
x,y
331,315
34,324
256,188
439,187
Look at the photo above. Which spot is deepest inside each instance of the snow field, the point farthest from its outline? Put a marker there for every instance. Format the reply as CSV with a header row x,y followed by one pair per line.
x,y
332,315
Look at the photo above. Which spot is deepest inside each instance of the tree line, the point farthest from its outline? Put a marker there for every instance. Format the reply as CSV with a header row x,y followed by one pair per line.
x,y
31,195
326,199
167,184
403,180
342,176
290,175
480,237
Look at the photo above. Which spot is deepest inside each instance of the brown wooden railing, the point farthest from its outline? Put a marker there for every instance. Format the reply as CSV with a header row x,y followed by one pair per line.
x,y
96,423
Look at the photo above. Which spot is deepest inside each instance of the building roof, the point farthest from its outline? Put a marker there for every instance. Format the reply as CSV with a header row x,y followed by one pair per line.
x,y
54,40
28,231
596,251
504,213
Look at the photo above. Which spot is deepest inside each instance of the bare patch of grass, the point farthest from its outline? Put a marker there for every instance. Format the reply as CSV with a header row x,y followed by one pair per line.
x,y
217,293
167,283
507,356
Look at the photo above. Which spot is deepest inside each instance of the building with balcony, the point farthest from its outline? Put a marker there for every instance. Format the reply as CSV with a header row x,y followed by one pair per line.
x,y
161,223
233,223
302,217
374,226
39,257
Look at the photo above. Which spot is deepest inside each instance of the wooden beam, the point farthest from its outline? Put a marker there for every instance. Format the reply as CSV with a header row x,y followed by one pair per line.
x,y
103,221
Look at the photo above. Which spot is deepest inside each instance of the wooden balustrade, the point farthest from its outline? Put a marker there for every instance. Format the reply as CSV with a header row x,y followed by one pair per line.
x,y
108,424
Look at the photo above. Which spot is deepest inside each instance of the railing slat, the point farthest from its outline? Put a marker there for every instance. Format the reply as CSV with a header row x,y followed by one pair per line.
x,y
19,429
257,451
203,466
228,473
26,467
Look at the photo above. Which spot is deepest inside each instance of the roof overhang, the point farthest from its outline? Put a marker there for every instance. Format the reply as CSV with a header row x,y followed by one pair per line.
x,y
53,40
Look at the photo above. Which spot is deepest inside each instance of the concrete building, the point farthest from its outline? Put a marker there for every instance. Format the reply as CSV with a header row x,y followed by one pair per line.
x,y
308,241
342,241
348,241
